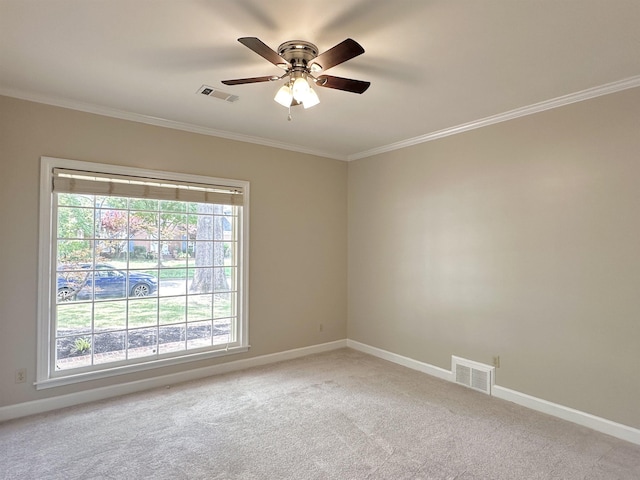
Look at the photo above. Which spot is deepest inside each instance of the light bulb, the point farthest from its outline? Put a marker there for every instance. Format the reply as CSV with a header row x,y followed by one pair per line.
x,y
301,89
311,99
284,96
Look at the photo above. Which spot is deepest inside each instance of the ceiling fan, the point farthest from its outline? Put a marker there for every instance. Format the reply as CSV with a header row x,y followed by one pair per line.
x,y
301,63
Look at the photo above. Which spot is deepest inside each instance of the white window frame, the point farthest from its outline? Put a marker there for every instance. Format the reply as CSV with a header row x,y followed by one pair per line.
x,y
46,376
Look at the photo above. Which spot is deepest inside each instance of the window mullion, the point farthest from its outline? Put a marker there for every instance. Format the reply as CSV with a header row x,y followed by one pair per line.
x,y
159,273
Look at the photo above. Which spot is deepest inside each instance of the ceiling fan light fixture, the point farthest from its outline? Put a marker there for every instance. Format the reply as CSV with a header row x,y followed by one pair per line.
x,y
301,62
284,96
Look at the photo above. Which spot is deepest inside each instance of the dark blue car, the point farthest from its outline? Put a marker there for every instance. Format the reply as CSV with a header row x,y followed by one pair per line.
x,y
105,281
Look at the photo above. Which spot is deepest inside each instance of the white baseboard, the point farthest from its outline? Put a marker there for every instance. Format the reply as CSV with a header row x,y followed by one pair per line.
x,y
62,401
599,424
400,360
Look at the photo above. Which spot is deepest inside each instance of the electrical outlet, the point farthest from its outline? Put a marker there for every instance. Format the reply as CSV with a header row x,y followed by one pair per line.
x,y
21,375
321,327
496,361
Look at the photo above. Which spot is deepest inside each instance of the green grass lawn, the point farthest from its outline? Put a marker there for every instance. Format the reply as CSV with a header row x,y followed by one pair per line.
x,y
142,312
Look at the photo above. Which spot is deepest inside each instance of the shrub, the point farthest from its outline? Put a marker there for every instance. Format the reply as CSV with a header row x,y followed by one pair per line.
x,y
81,346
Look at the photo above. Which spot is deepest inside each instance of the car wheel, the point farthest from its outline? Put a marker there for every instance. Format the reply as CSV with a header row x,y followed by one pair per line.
x,y
140,290
65,294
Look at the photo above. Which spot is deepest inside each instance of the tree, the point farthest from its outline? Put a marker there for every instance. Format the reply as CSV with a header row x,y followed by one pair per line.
x,y
209,227
113,231
75,224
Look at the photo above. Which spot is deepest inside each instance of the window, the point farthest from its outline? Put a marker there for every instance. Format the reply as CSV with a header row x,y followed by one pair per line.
x,y
138,269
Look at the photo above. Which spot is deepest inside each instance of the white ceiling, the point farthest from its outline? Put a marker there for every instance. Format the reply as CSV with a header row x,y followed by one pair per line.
x,y
433,65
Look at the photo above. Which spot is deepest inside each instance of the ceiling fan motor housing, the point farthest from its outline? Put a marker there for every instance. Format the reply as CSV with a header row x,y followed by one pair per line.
x,y
298,53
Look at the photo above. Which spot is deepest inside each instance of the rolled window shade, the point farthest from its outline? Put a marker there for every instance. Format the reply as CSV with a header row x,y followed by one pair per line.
x,y
93,183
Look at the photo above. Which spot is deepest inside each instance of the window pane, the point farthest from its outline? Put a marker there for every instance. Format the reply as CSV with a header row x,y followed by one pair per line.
x,y
109,282
222,332
142,342
199,334
143,204
111,202
166,206
224,305
203,226
172,310
219,253
73,318
142,283
73,252
221,227
112,224
73,352
74,284
203,253
231,277
202,280
75,200
172,339
75,222
109,347
222,276
173,282
178,258
200,307
110,315
111,250
173,226
143,231
143,313
229,249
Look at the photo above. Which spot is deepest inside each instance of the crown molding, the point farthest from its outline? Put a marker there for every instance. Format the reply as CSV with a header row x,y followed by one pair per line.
x,y
580,96
587,94
161,122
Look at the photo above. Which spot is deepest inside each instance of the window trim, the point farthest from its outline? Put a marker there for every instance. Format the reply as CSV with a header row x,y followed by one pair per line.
x,y
45,376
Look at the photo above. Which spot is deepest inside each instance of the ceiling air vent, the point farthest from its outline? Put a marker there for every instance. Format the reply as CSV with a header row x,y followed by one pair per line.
x,y
473,374
214,93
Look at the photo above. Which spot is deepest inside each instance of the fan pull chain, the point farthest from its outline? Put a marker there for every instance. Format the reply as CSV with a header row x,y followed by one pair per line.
x,y
289,116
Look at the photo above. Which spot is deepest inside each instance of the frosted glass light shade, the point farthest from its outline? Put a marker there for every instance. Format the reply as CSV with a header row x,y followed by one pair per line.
x,y
301,89
311,99
284,96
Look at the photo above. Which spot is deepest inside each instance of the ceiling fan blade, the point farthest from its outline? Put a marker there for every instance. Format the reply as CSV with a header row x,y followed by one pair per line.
x,y
342,52
241,81
339,83
263,50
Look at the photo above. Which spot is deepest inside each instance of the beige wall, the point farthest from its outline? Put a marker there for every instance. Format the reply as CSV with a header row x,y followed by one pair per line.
x,y
521,240
298,228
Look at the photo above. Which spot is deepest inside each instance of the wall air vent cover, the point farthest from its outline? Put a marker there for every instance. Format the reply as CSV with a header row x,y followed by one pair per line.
x,y
472,374
215,93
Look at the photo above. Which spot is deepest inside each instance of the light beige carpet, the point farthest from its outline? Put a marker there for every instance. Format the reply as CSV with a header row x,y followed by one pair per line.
x,y
338,415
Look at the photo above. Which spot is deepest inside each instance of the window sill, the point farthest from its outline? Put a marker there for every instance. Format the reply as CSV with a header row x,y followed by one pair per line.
x,y
70,379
